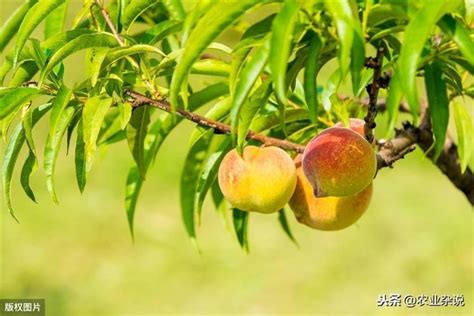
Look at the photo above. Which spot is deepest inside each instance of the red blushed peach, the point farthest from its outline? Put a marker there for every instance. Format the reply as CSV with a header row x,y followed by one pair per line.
x,y
261,180
339,162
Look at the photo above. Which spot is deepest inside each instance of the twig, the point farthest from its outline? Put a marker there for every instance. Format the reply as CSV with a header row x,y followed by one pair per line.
x,y
373,90
218,127
106,16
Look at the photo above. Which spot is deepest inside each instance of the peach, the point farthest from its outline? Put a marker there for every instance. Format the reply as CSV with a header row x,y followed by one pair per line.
x,y
326,213
339,162
261,180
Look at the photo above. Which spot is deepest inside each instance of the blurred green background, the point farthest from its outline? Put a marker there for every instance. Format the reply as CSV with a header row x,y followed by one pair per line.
x,y
416,238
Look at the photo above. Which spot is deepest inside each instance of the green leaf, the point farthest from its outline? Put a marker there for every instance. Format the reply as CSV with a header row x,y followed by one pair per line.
x,y
94,59
465,133
28,167
53,145
55,21
349,30
12,100
17,138
200,140
438,104
280,46
37,13
209,174
80,158
125,111
132,190
13,147
394,98
460,34
159,31
189,178
241,220
74,122
10,27
250,109
136,132
246,80
285,226
79,43
134,9
193,16
24,73
93,114
416,34
218,18
310,74
27,122
59,105
121,52
175,9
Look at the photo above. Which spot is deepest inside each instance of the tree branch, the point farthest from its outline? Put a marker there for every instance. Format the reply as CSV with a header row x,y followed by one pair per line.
x,y
218,127
373,90
106,16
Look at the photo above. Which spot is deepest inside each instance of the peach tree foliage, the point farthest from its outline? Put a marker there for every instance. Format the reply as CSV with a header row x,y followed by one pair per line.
x,y
151,64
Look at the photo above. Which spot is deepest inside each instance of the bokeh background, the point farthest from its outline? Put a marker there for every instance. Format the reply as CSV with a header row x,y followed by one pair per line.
x,y
416,238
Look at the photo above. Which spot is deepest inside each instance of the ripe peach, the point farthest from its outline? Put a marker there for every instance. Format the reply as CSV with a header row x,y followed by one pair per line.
x,y
326,213
339,162
261,180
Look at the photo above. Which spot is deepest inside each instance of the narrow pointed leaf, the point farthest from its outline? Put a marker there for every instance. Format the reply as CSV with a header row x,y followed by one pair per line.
x,y
209,174
10,26
189,177
175,9
416,34
460,34
134,9
218,18
395,94
125,111
240,220
250,109
80,158
55,21
15,98
12,150
28,167
75,45
438,104
53,145
32,19
121,52
159,31
246,80
285,226
93,114
465,133
132,190
136,132
310,75
280,47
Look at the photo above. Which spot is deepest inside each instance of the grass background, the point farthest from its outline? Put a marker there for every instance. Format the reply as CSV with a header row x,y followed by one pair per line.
x,y
416,238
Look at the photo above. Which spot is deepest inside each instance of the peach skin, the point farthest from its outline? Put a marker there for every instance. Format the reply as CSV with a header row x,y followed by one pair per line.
x,y
326,213
261,180
339,162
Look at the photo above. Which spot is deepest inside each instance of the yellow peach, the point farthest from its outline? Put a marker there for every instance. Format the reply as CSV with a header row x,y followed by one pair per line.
x,y
261,180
